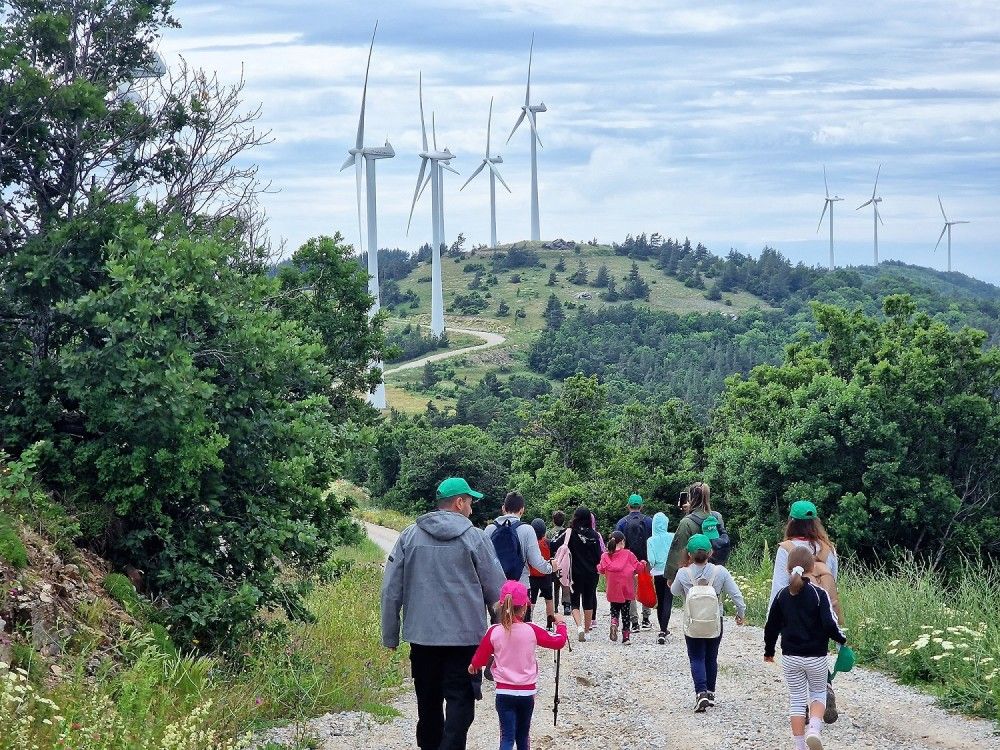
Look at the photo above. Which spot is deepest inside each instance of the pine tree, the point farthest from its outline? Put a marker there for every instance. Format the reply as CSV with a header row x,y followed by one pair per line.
x,y
552,279
635,286
602,277
503,309
611,293
579,276
554,315
561,265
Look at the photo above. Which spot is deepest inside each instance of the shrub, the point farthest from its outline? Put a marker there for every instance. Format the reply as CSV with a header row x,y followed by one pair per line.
x,y
12,549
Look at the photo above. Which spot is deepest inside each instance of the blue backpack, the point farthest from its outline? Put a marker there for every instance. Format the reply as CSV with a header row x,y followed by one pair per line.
x,y
508,549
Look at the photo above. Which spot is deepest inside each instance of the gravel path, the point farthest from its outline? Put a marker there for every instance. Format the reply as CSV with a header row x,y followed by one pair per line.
x,y
640,696
489,341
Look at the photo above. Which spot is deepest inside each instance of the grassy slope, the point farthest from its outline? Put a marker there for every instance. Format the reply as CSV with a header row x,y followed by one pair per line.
x,y
531,294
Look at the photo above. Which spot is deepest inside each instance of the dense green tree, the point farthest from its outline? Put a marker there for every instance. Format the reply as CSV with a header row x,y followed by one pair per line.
x,y
602,277
552,279
635,287
579,276
554,315
561,265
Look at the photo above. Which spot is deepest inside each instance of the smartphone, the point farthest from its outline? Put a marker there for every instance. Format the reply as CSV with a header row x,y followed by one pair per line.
x,y
683,499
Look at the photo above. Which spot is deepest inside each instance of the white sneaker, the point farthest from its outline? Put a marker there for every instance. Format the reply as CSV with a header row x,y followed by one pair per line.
x,y
581,634
814,741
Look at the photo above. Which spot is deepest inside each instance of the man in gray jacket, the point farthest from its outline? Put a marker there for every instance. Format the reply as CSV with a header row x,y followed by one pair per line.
x,y
513,509
441,574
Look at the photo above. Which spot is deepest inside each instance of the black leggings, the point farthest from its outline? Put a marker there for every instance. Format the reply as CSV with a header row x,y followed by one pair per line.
x,y
664,602
585,593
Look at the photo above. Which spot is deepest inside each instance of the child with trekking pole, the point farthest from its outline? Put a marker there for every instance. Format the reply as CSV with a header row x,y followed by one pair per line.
x,y
512,643
702,583
803,616
619,566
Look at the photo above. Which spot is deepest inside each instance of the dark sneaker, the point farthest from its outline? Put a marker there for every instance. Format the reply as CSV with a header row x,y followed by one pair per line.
x,y
614,629
567,611
647,625
661,638
635,625
701,703
831,714
711,698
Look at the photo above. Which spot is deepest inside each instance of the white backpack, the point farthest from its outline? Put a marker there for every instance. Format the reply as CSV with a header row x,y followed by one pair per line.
x,y
701,609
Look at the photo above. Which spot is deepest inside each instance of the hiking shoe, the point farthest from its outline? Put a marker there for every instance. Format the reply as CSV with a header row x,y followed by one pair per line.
x,y
581,635
701,703
614,629
635,625
831,714
626,640
711,698
661,638
647,625
814,741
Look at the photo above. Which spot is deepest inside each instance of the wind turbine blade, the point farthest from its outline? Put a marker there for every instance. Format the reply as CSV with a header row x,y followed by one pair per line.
x,y
423,127
478,170
877,173
527,91
364,94
941,236
434,135
489,128
961,222
496,172
942,209
349,163
416,193
517,124
449,168
825,183
879,215
358,165
868,203
426,183
827,203
531,122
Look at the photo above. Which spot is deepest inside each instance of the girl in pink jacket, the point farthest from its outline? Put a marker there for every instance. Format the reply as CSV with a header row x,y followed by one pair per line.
x,y
515,669
619,566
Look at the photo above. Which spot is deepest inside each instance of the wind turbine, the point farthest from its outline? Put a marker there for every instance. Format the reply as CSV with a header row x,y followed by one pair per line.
x,y
873,202
491,162
438,160
829,204
947,228
363,159
530,111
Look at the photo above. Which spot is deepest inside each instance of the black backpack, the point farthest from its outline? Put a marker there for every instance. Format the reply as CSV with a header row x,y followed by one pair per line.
x,y
636,535
508,548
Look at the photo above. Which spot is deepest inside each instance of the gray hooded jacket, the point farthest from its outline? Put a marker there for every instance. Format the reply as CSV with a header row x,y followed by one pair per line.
x,y
441,574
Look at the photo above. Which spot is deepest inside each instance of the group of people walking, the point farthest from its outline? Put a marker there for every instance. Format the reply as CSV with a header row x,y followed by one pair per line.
x,y
446,581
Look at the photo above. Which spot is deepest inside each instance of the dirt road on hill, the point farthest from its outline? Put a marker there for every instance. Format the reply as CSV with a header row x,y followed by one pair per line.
x,y
489,341
639,697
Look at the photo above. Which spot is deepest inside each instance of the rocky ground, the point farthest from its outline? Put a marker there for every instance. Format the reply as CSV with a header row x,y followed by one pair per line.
x,y
638,697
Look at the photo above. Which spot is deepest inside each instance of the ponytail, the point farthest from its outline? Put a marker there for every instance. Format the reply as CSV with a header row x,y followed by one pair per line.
x,y
508,613
616,538
800,562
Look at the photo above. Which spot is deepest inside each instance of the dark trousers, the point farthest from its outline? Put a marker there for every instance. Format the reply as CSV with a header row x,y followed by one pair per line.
x,y
620,610
703,653
664,602
515,720
446,695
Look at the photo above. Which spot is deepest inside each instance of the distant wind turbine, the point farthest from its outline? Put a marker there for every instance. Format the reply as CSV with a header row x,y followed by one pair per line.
x,y
828,204
491,162
437,160
947,228
363,159
873,202
530,111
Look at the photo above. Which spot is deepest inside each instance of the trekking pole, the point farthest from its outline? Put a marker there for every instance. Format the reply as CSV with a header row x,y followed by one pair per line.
x,y
555,702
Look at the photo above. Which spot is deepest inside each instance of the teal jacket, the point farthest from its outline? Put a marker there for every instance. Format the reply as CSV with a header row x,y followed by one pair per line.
x,y
658,545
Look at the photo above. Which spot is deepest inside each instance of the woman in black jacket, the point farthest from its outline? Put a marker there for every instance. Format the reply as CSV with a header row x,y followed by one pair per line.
x,y
585,550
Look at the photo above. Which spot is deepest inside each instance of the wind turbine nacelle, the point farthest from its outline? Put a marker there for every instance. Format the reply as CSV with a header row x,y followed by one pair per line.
x,y
539,107
495,159
380,152
436,155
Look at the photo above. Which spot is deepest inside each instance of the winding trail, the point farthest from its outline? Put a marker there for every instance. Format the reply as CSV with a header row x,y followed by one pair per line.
x,y
639,697
490,340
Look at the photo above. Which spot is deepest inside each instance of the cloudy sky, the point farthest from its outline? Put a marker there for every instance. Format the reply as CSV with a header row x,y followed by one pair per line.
x,y
713,124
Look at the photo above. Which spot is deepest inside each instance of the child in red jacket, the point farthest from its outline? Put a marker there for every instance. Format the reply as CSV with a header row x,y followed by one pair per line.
x,y
619,566
515,669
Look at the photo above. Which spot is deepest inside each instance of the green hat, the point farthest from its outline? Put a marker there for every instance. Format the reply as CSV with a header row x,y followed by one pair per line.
x,y
803,510
455,486
635,501
699,543
710,527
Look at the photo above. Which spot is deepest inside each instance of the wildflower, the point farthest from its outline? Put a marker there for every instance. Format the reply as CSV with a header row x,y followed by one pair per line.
x,y
894,643
939,657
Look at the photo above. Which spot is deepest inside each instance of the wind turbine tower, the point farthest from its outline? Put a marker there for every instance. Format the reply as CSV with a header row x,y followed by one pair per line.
x,y
947,228
436,160
873,202
491,162
829,204
363,159
530,111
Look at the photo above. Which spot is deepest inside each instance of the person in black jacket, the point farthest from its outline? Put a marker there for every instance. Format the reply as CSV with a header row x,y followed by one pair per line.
x,y
804,618
585,548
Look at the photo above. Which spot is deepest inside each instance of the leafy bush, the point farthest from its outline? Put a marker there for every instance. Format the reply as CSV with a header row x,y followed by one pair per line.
x,y
12,549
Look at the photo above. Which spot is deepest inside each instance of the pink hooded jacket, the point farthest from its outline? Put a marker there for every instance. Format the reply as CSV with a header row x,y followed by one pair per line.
x,y
620,568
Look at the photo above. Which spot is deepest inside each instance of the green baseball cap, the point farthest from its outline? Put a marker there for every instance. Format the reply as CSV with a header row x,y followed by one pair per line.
x,y
455,486
699,543
803,510
710,527
635,501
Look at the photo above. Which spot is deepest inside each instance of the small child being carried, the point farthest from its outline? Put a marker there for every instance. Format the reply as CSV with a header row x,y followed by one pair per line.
x,y
619,566
803,616
512,642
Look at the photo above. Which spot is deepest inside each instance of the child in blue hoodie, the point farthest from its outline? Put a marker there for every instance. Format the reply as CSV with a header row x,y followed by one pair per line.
x,y
657,549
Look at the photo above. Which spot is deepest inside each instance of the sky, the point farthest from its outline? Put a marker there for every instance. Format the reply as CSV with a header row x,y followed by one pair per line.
x,y
712,123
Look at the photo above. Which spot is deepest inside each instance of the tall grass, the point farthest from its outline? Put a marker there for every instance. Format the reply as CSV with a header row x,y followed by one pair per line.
x,y
942,635
149,697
